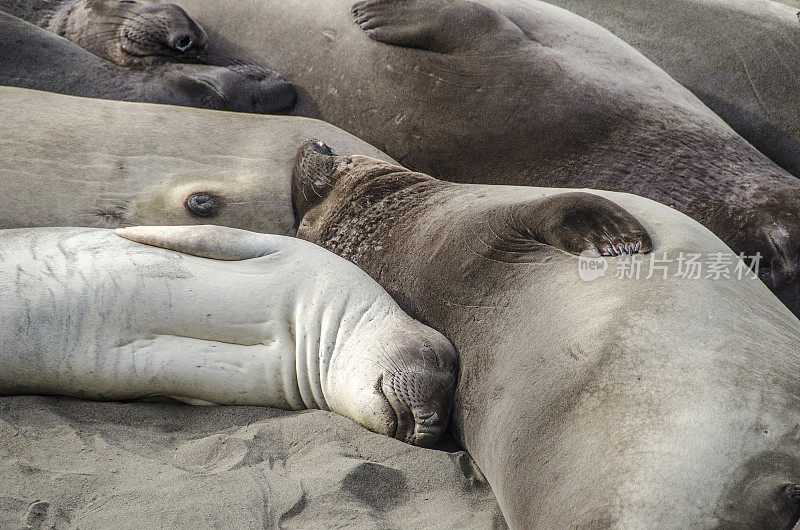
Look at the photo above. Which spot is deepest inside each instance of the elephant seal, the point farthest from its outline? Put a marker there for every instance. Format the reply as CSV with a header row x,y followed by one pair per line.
x,y
35,58
707,46
71,161
255,319
625,401
128,33
511,92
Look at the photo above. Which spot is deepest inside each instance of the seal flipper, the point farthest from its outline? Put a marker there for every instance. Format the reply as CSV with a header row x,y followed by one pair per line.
x,y
441,26
577,222
206,241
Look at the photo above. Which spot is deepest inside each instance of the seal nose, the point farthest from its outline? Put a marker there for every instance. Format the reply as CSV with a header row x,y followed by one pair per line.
x,y
791,494
183,43
323,148
184,35
780,268
278,95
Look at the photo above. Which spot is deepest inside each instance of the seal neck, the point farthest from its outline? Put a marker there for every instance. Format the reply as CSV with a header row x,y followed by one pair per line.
x,y
346,221
323,325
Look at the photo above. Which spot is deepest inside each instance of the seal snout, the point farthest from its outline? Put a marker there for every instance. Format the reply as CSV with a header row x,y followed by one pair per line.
x,y
277,95
156,30
420,390
183,43
322,148
183,34
780,267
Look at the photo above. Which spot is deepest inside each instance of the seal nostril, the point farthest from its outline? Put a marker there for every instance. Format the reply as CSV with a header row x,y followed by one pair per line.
x,y
791,493
202,204
183,44
324,149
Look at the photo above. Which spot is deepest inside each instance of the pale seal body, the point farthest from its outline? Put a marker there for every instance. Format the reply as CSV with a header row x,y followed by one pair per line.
x,y
510,92
35,58
618,402
269,320
737,56
71,161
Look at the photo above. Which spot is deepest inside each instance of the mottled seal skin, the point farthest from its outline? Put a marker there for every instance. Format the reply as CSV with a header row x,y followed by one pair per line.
x,y
69,161
529,94
624,403
737,56
244,319
35,58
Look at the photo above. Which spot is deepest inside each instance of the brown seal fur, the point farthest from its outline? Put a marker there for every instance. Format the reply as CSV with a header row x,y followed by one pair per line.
x,y
626,403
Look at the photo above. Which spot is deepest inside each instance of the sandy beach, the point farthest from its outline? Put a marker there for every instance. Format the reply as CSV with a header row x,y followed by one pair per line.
x,y
68,463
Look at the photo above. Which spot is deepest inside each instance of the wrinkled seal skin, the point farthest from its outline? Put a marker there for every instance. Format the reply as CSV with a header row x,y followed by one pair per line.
x,y
69,161
530,94
35,58
651,403
254,319
708,47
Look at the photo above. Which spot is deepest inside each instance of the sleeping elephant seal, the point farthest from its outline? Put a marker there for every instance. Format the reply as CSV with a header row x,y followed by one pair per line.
x,y
71,161
737,56
551,99
127,32
625,401
256,319
35,58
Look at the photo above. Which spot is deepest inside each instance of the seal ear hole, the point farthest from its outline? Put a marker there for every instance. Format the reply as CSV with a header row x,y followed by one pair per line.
x,y
203,204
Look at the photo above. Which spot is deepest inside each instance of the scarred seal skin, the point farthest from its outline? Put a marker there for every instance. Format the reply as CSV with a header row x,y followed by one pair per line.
x,y
218,315
628,401
524,93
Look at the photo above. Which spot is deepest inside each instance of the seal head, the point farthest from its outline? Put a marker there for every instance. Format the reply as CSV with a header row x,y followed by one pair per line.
x,y
357,354
239,88
401,380
130,32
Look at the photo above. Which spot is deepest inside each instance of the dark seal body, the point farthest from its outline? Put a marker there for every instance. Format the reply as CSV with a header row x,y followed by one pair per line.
x,y
737,56
661,402
536,96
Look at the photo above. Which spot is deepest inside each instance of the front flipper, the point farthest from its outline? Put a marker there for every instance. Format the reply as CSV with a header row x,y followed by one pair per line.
x,y
441,26
578,222
207,241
